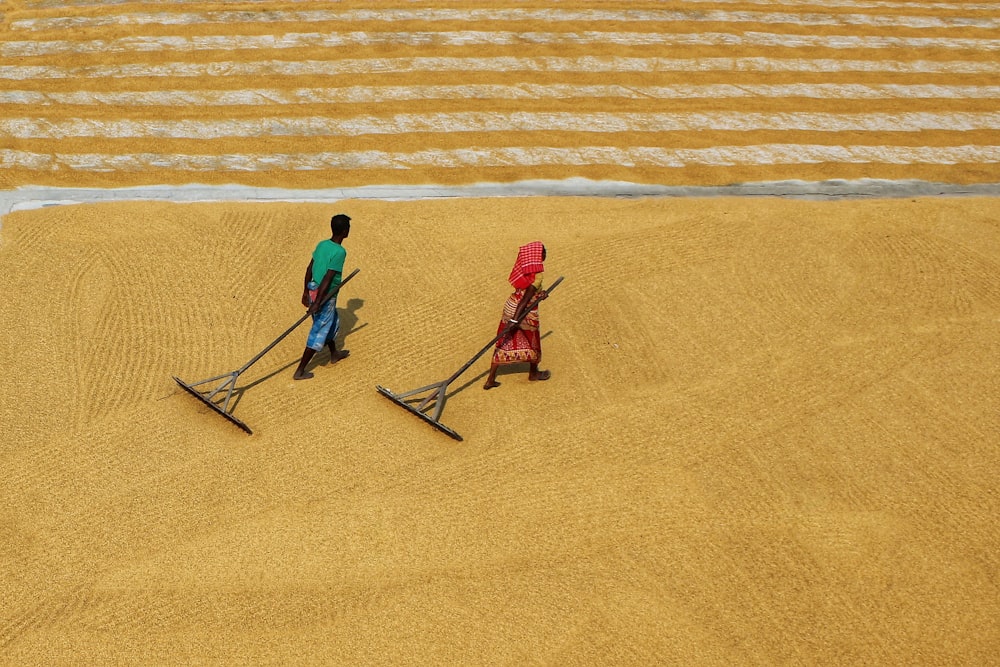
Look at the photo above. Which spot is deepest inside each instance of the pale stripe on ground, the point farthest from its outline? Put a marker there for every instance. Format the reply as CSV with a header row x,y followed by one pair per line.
x,y
32,128
525,91
477,15
858,4
718,156
909,34
848,4
179,44
582,64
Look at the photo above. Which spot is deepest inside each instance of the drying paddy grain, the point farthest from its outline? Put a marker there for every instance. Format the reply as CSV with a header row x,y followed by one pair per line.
x,y
770,437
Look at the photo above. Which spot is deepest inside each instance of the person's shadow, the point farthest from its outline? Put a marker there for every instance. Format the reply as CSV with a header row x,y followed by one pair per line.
x,y
348,325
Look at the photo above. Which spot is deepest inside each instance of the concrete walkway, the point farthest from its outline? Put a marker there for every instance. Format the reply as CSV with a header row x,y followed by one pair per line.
x,y
36,197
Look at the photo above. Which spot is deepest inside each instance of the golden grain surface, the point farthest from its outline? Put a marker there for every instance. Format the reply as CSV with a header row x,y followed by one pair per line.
x,y
769,437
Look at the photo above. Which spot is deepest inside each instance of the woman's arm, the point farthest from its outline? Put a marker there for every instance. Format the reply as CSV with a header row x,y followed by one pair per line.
x,y
522,306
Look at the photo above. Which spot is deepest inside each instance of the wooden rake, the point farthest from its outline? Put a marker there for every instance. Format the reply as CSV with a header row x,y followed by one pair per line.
x,y
228,385
433,396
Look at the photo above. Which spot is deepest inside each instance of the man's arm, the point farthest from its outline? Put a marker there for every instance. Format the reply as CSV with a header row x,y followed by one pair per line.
x,y
324,289
305,285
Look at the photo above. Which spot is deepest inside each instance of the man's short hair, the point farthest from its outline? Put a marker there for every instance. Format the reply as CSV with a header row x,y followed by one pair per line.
x,y
340,224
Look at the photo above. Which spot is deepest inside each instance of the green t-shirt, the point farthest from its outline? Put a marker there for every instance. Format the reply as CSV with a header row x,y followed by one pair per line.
x,y
328,255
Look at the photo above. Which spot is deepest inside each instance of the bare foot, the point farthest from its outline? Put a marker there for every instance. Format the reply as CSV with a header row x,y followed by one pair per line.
x,y
337,356
490,385
304,375
541,375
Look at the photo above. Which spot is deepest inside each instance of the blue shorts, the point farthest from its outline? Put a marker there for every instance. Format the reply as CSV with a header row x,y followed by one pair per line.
x,y
326,324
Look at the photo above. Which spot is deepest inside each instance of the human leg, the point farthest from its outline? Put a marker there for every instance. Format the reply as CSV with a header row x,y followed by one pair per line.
x,y
535,375
491,381
337,355
301,373
322,332
535,342
331,339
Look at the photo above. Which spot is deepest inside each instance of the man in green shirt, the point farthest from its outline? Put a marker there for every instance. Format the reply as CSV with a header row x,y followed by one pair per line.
x,y
322,276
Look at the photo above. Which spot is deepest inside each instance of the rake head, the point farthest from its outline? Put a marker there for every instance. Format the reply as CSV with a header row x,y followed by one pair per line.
x,y
204,399
409,408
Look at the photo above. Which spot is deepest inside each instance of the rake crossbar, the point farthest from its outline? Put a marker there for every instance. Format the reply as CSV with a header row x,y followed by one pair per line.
x,y
228,384
433,421
207,398
432,397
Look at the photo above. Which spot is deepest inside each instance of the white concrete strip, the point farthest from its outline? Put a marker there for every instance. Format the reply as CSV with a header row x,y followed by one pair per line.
x,y
718,156
298,40
32,197
67,4
582,64
526,91
486,15
859,4
478,122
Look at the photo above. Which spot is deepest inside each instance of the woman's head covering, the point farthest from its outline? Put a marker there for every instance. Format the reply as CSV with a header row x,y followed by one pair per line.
x,y
528,263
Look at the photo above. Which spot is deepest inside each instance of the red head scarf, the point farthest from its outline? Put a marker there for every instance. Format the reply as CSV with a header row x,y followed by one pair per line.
x,y
528,263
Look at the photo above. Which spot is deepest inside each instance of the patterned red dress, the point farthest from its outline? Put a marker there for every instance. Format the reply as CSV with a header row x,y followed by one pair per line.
x,y
525,343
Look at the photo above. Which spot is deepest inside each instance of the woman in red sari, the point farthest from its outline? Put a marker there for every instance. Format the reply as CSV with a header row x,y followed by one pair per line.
x,y
523,343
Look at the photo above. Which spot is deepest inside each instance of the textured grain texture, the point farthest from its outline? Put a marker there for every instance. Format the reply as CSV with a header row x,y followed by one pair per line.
x,y
769,437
